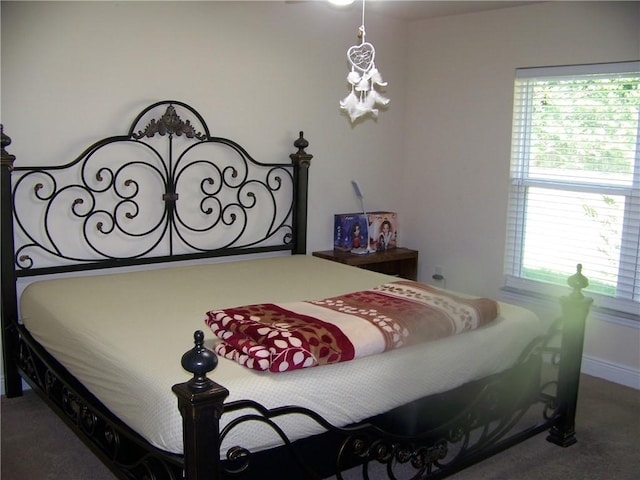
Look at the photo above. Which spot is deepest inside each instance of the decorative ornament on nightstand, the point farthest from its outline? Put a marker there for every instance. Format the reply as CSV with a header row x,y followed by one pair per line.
x,y
364,77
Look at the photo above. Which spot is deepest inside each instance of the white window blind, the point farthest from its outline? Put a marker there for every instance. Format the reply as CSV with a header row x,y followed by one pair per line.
x,y
575,181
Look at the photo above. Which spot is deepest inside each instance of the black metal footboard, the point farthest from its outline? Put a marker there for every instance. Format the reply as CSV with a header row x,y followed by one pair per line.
x,y
428,439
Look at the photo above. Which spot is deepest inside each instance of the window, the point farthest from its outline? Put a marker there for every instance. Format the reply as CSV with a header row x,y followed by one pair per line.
x,y
575,181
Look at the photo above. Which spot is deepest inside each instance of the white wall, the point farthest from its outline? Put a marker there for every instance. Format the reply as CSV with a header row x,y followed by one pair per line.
x,y
458,133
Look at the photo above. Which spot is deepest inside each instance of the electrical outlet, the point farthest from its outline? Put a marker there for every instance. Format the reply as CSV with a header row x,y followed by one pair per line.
x,y
437,273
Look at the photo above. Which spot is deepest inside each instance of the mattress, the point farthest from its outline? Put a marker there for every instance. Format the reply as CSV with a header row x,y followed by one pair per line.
x,y
123,334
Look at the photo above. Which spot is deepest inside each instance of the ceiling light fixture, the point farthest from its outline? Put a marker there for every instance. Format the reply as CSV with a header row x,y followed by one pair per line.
x,y
364,77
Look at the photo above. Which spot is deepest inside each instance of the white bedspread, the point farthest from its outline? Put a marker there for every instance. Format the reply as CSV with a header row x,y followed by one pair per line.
x,y
122,336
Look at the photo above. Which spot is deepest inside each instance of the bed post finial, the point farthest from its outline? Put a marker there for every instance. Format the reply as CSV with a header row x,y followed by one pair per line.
x,y
301,143
577,281
7,158
199,361
200,401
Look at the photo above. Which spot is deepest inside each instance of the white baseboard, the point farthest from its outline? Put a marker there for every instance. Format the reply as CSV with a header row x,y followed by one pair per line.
x,y
612,372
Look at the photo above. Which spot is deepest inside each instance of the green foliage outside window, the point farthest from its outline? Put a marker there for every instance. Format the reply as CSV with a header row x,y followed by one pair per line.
x,y
572,118
577,141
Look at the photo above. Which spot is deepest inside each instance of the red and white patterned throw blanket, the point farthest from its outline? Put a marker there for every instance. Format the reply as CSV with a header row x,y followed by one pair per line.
x,y
288,336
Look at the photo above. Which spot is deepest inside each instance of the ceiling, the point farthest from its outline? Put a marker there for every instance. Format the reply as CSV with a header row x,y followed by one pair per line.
x,y
418,9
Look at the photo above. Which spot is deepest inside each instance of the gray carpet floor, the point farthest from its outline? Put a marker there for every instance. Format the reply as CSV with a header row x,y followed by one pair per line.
x,y
36,445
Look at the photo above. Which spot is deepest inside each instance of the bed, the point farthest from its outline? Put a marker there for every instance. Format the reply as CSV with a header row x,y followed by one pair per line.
x,y
118,267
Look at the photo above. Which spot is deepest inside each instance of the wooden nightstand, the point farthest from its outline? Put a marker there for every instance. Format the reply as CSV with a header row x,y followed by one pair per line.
x,y
402,262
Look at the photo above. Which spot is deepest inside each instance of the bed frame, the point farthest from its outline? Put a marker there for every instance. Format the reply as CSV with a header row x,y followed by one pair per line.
x,y
430,438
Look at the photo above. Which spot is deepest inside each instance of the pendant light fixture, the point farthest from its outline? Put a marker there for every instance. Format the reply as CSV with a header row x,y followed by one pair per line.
x,y
364,78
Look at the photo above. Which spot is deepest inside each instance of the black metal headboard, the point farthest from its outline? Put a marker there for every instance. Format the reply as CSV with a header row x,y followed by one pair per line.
x,y
165,191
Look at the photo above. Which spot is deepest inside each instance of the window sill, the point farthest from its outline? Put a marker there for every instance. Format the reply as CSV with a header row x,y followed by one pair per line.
x,y
604,314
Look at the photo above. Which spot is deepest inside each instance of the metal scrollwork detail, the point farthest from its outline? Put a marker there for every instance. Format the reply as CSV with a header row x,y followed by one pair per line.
x,y
132,197
27,363
88,419
238,460
394,454
70,405
547,396
169,124
111,437
50,381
